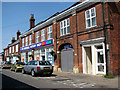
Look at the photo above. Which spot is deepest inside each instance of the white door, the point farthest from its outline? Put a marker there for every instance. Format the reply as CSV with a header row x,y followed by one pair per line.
x,y
100,61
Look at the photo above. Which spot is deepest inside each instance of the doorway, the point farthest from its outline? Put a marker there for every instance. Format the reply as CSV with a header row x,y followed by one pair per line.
x,y
88,59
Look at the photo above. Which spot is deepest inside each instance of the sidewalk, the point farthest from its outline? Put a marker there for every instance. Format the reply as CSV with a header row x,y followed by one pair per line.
x,y
97,80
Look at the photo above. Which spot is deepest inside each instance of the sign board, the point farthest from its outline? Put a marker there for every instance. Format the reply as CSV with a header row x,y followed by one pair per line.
x,y
36,45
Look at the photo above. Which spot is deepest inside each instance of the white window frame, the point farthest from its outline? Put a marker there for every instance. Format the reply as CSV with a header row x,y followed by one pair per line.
x,y
62,26
49,32
17,48
43,35
23,42
37,37
12,49
30,39
90,17
26,41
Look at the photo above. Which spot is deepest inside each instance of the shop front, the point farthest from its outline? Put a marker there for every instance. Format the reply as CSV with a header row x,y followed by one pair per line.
x,y
13,58
93,56
38,51
8,58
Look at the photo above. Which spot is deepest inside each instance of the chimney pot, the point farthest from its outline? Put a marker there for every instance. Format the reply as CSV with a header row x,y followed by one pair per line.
x,y
18,34
32,21
13,39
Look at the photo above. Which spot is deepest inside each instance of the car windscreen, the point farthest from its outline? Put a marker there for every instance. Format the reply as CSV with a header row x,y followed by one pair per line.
x,y
20,63
44,63
3,62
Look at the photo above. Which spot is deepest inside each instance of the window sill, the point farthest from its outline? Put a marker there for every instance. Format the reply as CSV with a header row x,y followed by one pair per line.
x,y
91,27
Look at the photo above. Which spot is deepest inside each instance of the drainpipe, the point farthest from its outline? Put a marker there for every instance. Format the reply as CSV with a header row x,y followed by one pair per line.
x,y
104,37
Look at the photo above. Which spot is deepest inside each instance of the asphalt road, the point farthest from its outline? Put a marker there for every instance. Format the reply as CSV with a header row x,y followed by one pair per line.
x,y
10,79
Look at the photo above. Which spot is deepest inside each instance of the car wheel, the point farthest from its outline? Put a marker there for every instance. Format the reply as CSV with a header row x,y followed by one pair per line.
x,y
15,69
33,73
50,74
23,71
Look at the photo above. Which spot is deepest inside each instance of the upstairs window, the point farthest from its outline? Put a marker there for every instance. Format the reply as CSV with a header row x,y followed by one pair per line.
x,y
10,50
90,18
23,42
37,37
17,48
13,49
26,41
43,35
65,27
49,32
30,39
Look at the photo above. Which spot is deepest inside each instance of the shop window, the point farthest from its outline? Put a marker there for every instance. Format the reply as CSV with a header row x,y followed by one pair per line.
x,y
90,18
37,54
30,39
37,37
49,32
43,35
65,27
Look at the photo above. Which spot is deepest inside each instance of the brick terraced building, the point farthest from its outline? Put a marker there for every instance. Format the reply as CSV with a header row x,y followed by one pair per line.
x,y
81,39
12,52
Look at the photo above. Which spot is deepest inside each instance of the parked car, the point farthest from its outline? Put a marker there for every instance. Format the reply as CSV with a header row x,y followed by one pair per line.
x,y
17,66
6,64
38,67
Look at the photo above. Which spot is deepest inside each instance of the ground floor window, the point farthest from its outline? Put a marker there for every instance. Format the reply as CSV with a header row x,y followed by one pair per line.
x,y
39,54
30,56
23,57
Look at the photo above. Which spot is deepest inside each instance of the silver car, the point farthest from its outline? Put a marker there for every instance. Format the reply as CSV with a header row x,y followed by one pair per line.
x,y
38,67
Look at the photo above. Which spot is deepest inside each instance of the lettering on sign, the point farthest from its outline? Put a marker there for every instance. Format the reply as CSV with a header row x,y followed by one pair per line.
x,y
36,45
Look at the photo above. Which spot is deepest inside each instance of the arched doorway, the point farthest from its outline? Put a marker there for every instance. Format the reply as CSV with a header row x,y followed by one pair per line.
x,y
67,61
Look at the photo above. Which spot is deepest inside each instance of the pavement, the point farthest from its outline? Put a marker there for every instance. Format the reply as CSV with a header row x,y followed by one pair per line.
x,y
86,80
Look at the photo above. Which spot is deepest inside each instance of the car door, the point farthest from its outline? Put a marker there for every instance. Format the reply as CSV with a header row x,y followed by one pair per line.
x,y
13,66
29,66
26,67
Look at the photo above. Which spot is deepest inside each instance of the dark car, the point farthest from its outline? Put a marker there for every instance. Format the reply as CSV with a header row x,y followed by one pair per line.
x,y
17,66
38,67
6,64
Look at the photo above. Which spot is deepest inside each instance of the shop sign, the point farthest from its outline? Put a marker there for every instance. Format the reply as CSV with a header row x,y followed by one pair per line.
x,y
36,45
68,46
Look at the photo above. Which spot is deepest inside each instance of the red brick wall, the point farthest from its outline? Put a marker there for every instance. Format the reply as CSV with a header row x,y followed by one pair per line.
x,y
76,34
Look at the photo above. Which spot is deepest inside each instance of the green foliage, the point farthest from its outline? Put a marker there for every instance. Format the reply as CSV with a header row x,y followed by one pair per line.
x,y
18,56
109,76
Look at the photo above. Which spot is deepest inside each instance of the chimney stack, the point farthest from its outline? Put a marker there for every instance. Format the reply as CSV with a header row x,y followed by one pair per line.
x,y
13,39
18,34
32,21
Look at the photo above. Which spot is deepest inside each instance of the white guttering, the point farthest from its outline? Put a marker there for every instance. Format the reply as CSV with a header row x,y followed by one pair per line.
x,y
57,17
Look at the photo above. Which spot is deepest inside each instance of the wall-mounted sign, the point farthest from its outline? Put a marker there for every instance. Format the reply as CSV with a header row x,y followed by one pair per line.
x,y
67,46
36,45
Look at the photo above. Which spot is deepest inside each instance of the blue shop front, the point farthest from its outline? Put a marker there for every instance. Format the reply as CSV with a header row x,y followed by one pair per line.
x,y
38,51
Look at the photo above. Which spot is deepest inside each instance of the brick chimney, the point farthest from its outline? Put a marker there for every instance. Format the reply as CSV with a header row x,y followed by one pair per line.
x,y
13,39
18,34
32,21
